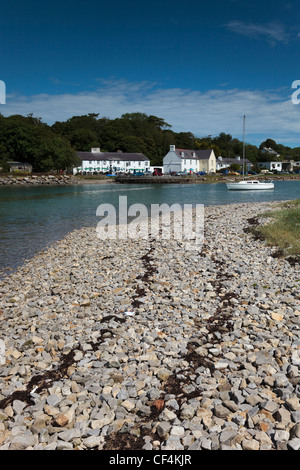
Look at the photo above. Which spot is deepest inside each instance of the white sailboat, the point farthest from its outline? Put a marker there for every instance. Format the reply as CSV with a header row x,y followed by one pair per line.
x,y
245,185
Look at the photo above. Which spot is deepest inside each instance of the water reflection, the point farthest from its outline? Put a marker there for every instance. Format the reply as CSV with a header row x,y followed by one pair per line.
x,y
31,218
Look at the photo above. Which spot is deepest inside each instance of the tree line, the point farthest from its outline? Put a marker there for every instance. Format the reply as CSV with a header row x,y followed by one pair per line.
x,y
46,148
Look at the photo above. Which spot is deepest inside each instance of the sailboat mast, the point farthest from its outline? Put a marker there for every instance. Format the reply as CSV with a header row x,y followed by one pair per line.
x,y
244,146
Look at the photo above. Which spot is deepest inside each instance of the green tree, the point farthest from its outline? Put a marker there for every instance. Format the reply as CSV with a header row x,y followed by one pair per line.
x,y
269,143
251,153
56,154
27,139
184,140
204,145
83,139
158,122
235,166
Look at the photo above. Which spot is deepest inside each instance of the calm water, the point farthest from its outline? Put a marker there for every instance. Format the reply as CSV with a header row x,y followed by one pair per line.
x,y
32,218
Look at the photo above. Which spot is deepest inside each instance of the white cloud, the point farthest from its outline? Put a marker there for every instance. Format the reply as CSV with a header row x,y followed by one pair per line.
x,y
274,32
270,113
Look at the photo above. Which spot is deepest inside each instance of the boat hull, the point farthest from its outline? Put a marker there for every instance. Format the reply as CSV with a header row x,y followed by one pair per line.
x,y
250,186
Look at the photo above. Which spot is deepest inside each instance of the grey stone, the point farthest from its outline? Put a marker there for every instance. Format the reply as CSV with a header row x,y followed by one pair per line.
x,y
222,412
187,412
18,406
295,416
173,443
54,400
69,434
122,395
92,442
294,444
199,368
282,415
281,435
295,430
23,441
163,428
197,445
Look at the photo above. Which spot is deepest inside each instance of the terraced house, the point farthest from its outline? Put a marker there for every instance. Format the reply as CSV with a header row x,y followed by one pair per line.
x,y
188,161
95,162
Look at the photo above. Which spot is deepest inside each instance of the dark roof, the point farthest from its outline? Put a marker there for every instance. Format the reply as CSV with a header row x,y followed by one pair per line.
x,y
189,154
19,163
233,160
112,156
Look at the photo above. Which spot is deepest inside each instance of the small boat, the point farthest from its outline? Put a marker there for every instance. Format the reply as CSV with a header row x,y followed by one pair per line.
x,y
249,184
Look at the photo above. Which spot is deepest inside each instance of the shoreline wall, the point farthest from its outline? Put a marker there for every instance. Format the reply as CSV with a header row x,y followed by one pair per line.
x,y
30,180
37,180
197,180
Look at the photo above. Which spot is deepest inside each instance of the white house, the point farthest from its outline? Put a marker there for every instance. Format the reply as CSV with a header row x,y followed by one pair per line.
x,y
286,165
223,163
296,166
19,167
270,151
95,162
271,166
187,161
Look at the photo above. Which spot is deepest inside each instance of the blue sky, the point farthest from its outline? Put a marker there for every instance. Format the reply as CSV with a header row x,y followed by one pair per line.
x,y
198,65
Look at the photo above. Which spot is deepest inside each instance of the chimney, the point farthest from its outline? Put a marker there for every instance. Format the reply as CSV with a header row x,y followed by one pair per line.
x,y
238,157
95,150
172,148
220,158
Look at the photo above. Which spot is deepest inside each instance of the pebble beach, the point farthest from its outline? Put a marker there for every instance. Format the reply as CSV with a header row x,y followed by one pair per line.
x,y
145,345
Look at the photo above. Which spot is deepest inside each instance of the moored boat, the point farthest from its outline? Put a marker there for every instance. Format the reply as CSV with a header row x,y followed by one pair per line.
x,y
250,185
246,185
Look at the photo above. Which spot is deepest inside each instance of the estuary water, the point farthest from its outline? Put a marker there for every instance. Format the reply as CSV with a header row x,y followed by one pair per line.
x,y
34,217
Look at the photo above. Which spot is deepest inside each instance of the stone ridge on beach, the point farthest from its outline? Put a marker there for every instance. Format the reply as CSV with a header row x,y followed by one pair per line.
x,y
146,345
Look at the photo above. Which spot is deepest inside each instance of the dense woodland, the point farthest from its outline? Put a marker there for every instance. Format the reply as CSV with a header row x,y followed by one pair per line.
x,y
47,148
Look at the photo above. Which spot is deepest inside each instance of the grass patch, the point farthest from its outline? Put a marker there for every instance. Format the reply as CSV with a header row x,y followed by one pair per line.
x,y
283,230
